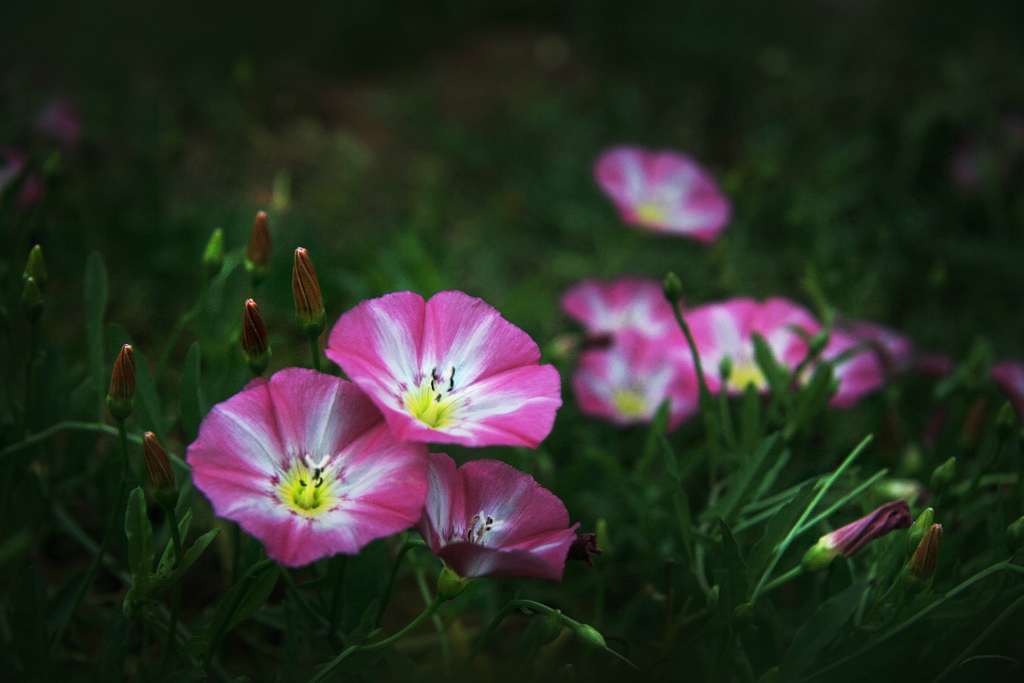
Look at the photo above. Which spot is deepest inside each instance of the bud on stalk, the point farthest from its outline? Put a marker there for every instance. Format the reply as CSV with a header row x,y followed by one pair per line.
x,y
121,394
255,344
309,302
213,255
35,268
921,567
257,256
158,465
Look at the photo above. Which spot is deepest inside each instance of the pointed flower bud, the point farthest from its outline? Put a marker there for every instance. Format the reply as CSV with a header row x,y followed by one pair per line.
x,y
450,584
943,476
35,268
849,539
213,255
158,465
309,302
673,288
919,529
255,345
1015,536
921,567
32,300
257,257
121,394
588,635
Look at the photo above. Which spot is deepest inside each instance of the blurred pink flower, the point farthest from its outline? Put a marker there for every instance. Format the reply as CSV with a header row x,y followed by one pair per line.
x,y
894,349
724,330
663,191
59,121
305,463
448,370
858,370
487,519
31,188
628,303
1009,377
627,382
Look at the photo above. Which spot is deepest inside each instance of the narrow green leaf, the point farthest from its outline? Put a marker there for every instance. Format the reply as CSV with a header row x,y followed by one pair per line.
x,y
819,630
682,503
749,474
163,568
241,601
95,294
778,526
736,569
140,535
191,404
775,374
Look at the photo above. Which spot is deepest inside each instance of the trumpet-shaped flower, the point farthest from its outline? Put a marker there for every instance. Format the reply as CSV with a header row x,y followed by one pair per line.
x,y
488,519
724,330
305,463
448,370
626,382
849,539
663,191
628,303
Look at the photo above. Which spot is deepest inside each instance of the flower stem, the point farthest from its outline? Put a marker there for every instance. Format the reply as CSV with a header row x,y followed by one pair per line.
x,y
785,578
314,348
115,514
392,575
334,663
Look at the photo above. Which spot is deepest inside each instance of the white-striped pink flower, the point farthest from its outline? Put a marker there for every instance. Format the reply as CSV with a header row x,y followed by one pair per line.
x,y
628,303
1009,377
488,519
305,463
627,381
663,191
447,370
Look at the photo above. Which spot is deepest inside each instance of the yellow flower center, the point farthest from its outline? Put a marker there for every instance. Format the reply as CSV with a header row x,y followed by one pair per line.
x,y
629,403
747,373
306,488
433,402
651,213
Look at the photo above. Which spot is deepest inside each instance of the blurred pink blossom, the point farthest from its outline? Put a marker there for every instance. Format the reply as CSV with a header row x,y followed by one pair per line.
x,y
663,191
1009,377
60,121
628,303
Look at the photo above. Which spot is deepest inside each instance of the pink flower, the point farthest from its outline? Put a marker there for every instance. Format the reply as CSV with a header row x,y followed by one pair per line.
x,y
725,329
664,191
895,350
636,304
487,519
448,370
1009,377
31,187
858,370
849,539
626,382
60,121
305,463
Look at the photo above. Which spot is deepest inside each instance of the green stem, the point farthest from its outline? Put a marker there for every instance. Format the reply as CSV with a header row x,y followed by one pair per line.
x,y
799,526
214,638
779,580
300,597
179,327
116,514
392,575
1005,564
707,407
172,520
83,427
314,348
334,663
172,626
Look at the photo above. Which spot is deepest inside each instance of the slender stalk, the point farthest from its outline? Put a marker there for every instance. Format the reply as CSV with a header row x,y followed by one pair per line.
x,y
392,575
785,578
314,348
334,663
707,407
72,425
116,514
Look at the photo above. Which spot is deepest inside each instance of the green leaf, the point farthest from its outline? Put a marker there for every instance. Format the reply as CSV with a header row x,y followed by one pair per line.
x,y
736,568
819,630
95,292
147,401
778,526
140,548
167,558
775,374
241,601
750,473
191,404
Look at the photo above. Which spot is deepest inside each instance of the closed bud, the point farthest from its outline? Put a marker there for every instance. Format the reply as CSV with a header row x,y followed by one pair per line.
x,y
921,567
673,288
849,539
943,475
450,584
725,368
35,268
919,528
255,344
32,300
713,597
588,635
158,465
1015,536
121,394
309,302
550,627
817,343
743,616
213,255
257,256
